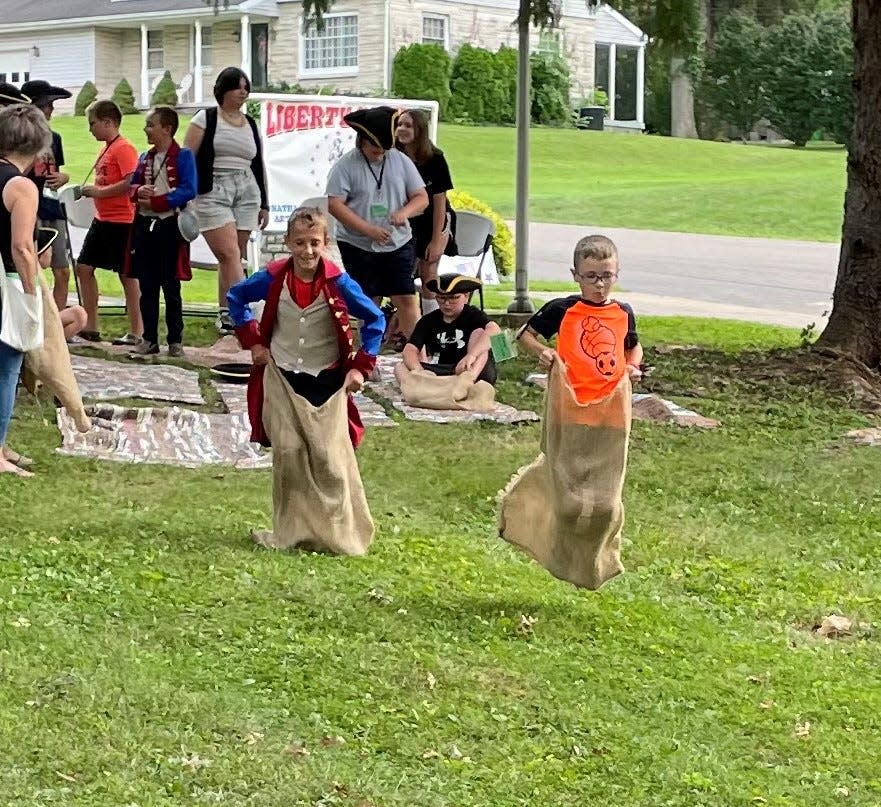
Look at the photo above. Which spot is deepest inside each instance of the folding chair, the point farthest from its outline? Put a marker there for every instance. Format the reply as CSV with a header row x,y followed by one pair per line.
x,y
474,237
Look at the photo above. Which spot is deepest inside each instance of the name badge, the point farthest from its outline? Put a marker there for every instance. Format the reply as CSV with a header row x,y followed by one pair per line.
x,y
378,212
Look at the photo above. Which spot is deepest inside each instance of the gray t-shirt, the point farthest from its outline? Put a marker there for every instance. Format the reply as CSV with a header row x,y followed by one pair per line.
x,y
358,183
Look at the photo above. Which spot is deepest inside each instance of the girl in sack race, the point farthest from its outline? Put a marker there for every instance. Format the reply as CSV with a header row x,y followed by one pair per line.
x,y
305,368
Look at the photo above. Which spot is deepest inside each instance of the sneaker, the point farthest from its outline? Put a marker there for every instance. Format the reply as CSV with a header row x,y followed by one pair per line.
x,y
145,349
128,339
225,324
90,336
176,350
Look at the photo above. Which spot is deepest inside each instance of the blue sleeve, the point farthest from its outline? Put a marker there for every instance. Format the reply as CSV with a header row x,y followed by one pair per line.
x,y
246,291
186,180
361,306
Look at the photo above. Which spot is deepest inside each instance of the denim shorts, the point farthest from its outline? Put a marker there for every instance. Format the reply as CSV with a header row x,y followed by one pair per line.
x,y
234,198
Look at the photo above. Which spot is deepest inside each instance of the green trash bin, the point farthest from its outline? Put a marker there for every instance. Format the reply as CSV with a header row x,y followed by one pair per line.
x,y
591,117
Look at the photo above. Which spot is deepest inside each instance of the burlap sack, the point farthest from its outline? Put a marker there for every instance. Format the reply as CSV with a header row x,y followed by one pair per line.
x,y
318,499
426,390
50,364
565,509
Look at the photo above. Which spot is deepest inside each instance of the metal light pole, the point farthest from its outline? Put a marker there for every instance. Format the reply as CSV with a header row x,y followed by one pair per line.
x,y
521,304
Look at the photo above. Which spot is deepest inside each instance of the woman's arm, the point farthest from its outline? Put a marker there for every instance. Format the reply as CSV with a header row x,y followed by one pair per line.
x,y
20,198
193,138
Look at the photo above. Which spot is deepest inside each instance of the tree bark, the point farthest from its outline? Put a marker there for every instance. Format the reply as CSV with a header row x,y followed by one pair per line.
x,y
682,122
855,323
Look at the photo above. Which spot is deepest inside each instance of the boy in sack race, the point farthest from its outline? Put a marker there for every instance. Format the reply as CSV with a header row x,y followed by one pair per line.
x,y
565,509
305,368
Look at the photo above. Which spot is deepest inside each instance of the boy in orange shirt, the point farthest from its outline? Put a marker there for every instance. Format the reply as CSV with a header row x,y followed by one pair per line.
x,y
596,335
106,242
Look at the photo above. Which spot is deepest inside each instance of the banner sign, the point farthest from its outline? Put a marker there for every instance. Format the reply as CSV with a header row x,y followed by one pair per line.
x,y
303,136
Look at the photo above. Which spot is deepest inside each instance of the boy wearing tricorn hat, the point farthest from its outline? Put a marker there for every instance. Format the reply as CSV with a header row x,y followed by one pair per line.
x,y
373,191
455,338
49,177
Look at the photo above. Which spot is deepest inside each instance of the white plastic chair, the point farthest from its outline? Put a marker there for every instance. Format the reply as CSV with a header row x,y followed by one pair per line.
x,y
183,89
474,238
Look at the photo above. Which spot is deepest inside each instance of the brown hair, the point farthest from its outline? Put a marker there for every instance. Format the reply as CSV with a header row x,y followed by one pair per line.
x,y
595,248
105,110
23,130
423,148
310,216
167,118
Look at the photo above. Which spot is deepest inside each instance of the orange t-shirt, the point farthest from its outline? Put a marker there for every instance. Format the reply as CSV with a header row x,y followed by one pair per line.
x,y
117,160
591,345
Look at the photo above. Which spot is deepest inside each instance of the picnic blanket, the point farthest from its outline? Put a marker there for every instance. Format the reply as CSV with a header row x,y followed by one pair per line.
x,y
318,500
104,380
423,389
386,388
160,435
565,508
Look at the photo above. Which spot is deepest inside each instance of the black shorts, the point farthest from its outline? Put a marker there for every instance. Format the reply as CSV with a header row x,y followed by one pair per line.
x,y
105,245
488,373
380,274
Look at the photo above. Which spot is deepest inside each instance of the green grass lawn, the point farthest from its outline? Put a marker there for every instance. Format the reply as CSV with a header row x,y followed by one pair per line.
x,y
152,656
615,180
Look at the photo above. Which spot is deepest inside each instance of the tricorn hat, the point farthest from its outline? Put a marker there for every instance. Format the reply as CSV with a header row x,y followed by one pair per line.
x,y
45,237
42,92
377,124
10,94
452,283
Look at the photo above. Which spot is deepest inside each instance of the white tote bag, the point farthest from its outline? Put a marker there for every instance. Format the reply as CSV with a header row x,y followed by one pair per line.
x,y
22,318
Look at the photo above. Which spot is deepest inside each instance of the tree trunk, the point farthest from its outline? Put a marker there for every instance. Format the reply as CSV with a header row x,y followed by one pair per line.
x,y
682,123
855,324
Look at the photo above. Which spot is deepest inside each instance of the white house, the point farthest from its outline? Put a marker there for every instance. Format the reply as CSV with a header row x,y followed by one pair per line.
x,y
69,42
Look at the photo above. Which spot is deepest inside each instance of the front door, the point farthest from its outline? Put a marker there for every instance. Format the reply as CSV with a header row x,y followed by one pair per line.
x,y
15,66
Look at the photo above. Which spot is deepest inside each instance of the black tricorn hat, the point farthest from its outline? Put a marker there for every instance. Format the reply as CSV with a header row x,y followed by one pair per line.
x,y
377,124
452,283
42,92
10,94
45,237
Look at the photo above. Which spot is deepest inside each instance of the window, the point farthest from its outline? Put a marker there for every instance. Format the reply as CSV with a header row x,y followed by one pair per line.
x,y
601,68
155,50
333,50
549,43
625,82
435,30
207,46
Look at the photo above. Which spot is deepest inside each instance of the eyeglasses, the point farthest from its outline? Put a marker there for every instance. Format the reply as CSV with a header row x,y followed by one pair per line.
x,y
593,277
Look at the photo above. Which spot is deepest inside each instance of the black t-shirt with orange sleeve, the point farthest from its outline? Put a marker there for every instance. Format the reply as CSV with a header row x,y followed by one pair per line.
x,y
591,340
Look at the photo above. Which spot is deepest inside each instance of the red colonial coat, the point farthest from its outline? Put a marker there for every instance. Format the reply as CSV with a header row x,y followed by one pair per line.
x,y
350,359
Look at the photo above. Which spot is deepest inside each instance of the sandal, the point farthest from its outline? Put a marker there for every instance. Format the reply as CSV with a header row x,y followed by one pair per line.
x,y
7,467
17,459
90,336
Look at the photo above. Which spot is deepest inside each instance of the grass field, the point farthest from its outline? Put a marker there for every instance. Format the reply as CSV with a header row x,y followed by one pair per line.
x,y
151,656
614,180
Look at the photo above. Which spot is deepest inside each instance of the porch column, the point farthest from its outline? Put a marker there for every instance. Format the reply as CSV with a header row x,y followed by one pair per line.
x,y
640,84
197,61
246,44
145,66
613,53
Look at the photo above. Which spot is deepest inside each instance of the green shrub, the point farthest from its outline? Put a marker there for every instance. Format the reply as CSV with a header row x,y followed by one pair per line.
x,y
733,72
165,93
124,97
808,61
86,96
422,71
478,96
506,74
503,242
550,90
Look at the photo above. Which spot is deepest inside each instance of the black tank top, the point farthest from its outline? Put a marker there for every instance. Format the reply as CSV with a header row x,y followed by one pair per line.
x,y
7,172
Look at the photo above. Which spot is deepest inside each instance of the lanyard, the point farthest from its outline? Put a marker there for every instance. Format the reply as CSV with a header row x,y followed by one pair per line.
x,y
377,179
99,158
154,174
